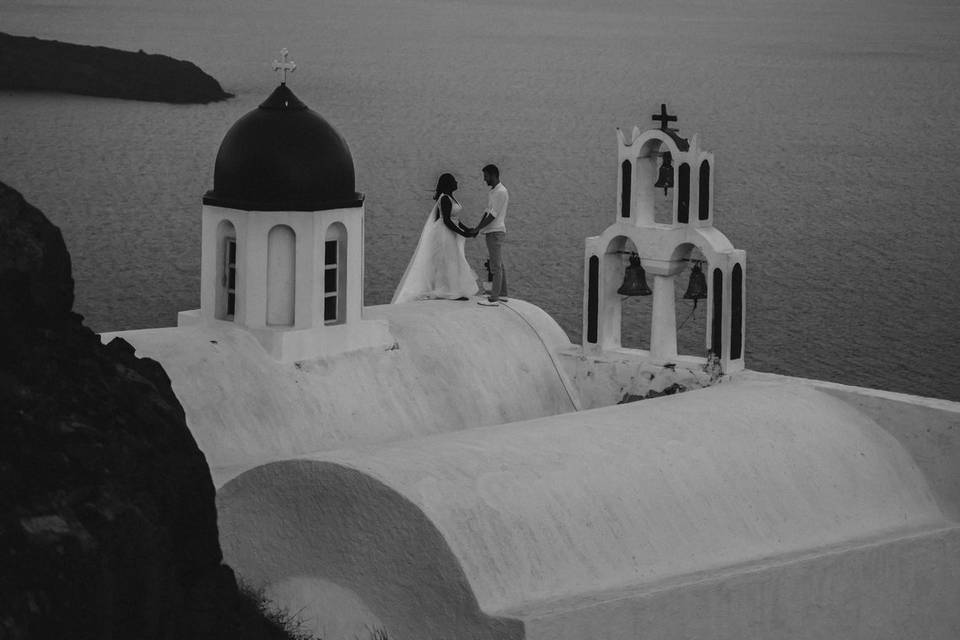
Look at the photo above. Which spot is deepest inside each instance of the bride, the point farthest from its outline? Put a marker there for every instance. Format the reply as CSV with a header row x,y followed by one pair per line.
x,y
438,268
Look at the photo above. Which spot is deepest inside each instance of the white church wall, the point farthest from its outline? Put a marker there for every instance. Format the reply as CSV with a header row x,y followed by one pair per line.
x,y
893,589
264,279
329,610
252,272
610,377
926,427
351,530
328,341
257,286
281,275
747,501
448,365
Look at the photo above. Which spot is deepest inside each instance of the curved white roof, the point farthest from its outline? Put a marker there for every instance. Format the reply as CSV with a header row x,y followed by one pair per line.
x,y
518,515
454,365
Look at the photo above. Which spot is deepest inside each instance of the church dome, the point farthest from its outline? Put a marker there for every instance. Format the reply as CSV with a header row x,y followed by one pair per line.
x,y
283,156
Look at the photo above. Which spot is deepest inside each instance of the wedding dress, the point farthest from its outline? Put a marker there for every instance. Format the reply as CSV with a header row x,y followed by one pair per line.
x,y
438,268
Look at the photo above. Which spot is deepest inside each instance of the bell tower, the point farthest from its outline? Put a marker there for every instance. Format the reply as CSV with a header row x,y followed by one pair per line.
x,y
283,234
659,158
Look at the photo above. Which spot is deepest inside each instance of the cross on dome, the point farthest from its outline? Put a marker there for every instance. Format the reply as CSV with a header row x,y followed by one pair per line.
x,y
664,118
284,66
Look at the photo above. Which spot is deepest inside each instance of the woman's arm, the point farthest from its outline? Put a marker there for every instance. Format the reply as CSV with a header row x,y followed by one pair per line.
x,y
446,207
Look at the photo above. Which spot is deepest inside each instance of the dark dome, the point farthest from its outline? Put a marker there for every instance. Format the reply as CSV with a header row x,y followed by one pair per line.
x,y
283,156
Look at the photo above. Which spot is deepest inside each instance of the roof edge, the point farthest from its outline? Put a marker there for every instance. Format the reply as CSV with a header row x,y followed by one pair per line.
x,y
292,204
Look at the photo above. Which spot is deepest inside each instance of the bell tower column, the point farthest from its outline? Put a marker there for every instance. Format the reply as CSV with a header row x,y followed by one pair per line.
x,y
663,316
663,320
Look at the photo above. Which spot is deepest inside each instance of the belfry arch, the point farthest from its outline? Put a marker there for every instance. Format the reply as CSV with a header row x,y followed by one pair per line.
x,y
604,273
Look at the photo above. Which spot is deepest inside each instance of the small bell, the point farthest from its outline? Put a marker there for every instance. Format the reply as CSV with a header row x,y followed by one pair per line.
x,y
697,287
634,279
665,177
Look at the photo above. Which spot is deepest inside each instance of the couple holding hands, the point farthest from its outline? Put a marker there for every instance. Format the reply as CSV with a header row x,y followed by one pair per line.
x,y
439,268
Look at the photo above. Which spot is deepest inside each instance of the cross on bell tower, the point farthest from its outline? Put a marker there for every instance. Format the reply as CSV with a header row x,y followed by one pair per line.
x,y
662,117
286,66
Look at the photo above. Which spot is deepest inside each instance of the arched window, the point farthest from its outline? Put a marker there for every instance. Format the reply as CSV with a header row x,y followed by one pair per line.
x,y
683,194
736,317
281,275
593,301
335,274
704,190
226,289
626,178
716,328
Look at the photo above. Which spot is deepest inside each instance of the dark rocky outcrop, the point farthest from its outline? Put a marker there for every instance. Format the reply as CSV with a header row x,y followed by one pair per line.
x,y
107,518
48,65
653,393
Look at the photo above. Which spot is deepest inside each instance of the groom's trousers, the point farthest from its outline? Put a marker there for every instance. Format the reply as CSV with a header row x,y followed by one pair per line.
x,y
498,273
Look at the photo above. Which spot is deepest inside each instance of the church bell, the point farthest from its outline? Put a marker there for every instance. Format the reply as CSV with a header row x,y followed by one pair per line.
x,y
634,279
697,287
665,177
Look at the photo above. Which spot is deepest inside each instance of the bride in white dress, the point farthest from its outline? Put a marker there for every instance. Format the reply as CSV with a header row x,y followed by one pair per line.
x,y
439,268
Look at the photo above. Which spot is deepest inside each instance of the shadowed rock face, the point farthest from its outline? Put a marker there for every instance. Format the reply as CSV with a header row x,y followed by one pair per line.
x,y
107,518
36,287
48,65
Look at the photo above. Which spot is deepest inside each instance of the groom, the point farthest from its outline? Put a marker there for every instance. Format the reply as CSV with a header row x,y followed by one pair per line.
x,y
493,228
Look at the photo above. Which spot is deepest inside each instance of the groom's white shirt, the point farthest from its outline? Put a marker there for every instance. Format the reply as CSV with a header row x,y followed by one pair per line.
x,y
497,207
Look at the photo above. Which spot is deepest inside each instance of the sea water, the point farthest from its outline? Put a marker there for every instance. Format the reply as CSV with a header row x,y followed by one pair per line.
x,y
833,123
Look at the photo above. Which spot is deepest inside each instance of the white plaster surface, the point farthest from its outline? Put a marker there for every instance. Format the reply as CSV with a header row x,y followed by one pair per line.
x,y
904,587
311,229
463,534
324,608
453,365
929,428
608,377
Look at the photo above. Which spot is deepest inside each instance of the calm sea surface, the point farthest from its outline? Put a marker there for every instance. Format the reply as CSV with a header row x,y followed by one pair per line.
x,y
834,124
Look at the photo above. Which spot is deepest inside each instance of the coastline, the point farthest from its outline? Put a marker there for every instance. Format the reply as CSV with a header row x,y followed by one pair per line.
x,y
33,64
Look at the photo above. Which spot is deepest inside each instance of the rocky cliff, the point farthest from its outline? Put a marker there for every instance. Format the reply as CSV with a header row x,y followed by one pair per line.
x,y
107,519
49,65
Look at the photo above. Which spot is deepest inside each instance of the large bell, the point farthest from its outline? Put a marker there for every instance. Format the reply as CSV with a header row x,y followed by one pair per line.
x,y
665,177
634,279
697,287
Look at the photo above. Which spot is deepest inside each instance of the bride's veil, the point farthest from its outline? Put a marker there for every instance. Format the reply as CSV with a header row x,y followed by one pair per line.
x,y
415,281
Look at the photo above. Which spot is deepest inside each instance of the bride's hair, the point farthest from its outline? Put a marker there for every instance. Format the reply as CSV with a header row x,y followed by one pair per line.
x,y
445,183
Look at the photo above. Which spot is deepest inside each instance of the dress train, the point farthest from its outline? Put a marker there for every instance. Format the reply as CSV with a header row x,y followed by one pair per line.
x,y
439,267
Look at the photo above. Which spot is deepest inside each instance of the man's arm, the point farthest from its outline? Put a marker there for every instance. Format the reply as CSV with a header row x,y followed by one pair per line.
x,y
495,207
485,220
